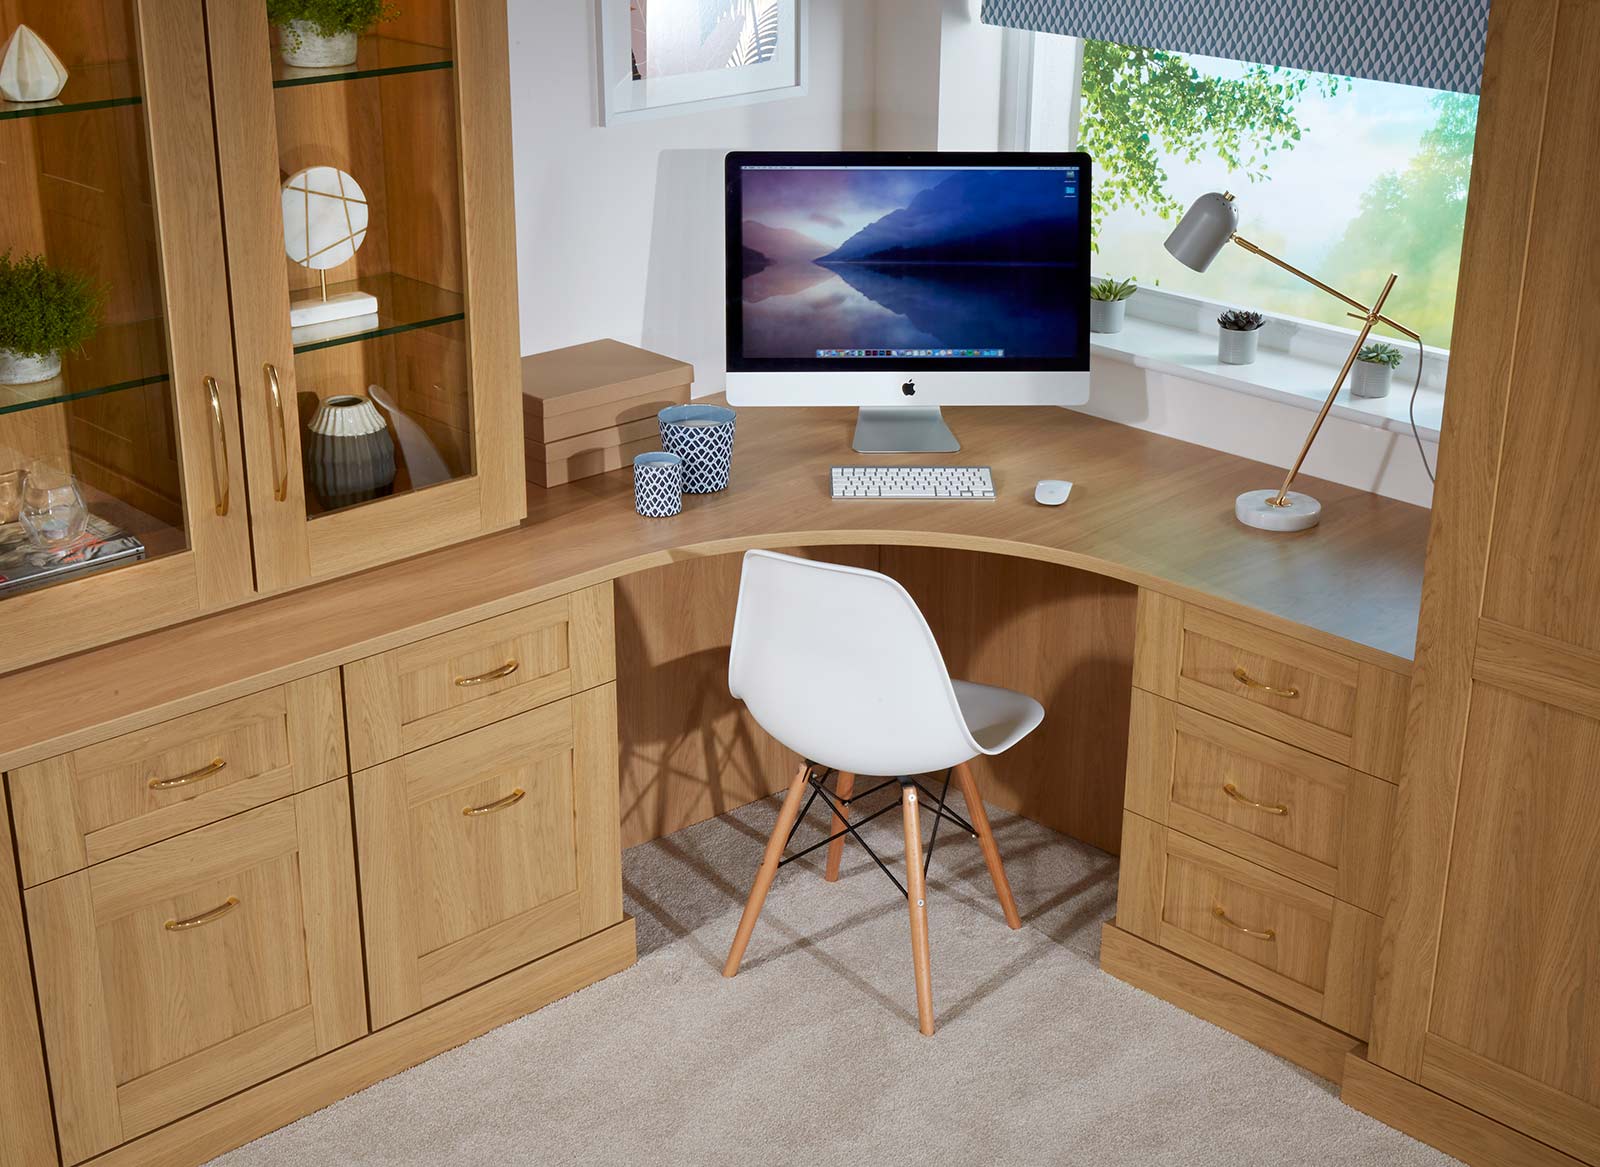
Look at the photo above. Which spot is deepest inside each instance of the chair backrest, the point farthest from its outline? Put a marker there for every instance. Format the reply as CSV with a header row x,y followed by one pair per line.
x,y
838,664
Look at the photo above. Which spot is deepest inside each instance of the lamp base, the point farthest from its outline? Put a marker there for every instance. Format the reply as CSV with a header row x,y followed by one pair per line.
x,y
1254,509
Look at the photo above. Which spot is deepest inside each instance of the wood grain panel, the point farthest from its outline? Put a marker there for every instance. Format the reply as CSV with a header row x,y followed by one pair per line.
x,y
1158,648
24,1095
1352,969
1063,637
1484,1084
1152,748
1142,882
1520,939
1378,743
1536,666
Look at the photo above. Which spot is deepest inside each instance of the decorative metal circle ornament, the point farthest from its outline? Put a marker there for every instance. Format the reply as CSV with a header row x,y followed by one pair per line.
x,y
324,217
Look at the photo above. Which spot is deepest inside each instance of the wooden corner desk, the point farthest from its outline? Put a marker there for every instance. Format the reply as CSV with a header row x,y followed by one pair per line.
x,y
1225,710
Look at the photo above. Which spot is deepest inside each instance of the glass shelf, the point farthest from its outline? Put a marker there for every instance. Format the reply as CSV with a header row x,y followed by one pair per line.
x,y
376,56
118,357
404,305
88,87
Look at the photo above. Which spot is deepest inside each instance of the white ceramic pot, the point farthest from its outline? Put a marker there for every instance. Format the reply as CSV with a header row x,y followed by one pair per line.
x,y
1236,346
1370,379
306,48
1107,315
19,369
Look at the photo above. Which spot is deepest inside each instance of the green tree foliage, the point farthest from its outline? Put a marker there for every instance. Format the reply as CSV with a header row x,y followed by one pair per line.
x,y
1411,223
1140,103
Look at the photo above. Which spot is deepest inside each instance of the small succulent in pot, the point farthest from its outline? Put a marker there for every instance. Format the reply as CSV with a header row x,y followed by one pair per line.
x,y
1108,303
44,311
318,34
1374,369
1240,330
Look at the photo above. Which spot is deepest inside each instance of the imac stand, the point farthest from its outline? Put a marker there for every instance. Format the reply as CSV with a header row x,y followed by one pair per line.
x,y
903,430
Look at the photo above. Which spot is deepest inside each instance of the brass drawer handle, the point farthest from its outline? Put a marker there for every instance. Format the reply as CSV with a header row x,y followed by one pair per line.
x,y
1246,679
504,670
203,918
498,804
280,461
220,473
202,773
1232,792
1222,914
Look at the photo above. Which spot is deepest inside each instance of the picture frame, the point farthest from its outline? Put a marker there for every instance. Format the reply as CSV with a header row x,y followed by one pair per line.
x,y
701,66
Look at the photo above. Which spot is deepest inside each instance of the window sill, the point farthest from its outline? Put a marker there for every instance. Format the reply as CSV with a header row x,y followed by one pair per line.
x,y
1275,376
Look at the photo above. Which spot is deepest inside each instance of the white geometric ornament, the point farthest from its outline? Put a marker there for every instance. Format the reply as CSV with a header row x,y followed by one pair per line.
x,y
29,71
324,225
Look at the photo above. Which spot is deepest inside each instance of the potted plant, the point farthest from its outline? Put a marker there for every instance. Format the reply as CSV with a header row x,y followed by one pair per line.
x,y
1374,368
1108,303
44,311
1236,342
320,34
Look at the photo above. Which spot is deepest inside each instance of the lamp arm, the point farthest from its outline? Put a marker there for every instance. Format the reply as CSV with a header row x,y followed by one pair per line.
x,y
1255,249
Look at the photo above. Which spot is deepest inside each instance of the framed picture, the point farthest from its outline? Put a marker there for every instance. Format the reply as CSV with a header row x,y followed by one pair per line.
x,y
662,57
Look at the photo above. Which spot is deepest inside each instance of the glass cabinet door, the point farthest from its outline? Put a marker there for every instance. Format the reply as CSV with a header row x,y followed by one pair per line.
x,y
366,179
121,478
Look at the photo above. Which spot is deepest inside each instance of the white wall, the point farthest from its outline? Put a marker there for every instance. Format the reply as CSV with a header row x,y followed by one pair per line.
x,y
619,230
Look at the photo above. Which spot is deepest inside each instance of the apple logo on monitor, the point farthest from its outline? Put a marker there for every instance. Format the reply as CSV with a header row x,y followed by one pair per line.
x,y
909,388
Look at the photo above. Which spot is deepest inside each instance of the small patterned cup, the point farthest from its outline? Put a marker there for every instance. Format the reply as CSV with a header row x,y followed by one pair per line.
x,y
658,485
702,435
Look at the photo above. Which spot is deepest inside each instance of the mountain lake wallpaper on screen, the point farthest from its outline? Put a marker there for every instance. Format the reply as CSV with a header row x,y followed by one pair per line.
x,y
905,258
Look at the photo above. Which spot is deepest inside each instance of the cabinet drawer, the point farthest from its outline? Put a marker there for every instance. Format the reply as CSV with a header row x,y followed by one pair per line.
x,y
1317,821
1328,702
196,967
1293,943
488,851
446,685
113,797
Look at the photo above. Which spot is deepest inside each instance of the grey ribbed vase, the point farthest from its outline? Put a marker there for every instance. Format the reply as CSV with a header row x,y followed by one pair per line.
x,y
349,452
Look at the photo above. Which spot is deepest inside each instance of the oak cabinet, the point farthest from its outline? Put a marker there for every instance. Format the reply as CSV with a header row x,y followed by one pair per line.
x,y
489,850
191,969
186,419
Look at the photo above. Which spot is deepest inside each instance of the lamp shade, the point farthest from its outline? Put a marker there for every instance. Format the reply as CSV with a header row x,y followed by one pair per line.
x,y
1204,230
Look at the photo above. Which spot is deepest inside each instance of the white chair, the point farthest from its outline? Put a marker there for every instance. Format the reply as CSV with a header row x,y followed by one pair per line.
x,y
838,664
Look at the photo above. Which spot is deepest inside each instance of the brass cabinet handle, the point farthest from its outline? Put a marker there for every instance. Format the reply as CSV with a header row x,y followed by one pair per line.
x,y
1246,679
504,670
280,461
219,467
202,773
498,804
1221,913
1232,792
203,918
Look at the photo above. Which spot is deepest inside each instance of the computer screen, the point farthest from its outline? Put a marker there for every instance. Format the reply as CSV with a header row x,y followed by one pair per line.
x,y
928,262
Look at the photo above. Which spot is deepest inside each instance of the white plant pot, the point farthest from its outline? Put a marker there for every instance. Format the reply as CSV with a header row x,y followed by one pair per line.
x,y
19,369
305,48
1237,347
1107,315
1370,379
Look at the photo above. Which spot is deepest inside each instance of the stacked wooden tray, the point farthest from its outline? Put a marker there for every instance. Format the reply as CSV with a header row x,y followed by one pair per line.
x,y
592,407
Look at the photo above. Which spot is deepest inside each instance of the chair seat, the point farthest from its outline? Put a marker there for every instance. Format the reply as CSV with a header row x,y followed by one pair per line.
x,y
997,718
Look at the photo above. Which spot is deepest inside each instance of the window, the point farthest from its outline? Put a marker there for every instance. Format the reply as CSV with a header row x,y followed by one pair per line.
x,y
1347,178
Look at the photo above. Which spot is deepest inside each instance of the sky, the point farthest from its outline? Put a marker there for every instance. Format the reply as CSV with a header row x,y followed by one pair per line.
x,y
830,206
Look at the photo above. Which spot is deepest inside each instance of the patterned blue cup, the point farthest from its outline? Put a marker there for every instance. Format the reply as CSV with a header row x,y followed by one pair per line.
x,y
658,485
702,435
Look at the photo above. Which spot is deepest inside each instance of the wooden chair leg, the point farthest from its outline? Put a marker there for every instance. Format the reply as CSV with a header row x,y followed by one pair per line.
x,y
921,960
792,803
847,784
991,853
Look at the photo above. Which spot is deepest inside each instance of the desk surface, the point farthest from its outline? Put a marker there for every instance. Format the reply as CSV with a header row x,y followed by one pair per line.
x,y
1149,510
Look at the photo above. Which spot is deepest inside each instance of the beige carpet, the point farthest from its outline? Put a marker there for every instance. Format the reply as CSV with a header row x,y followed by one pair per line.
x,y
812,1056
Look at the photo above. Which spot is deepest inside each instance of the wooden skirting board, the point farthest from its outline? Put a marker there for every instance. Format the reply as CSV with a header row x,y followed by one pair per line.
x,y
274,1103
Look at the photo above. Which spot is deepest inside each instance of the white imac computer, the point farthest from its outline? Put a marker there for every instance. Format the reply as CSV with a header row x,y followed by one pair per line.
x,y
900,282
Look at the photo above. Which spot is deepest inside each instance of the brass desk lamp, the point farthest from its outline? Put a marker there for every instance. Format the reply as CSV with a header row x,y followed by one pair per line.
x,y
1205,229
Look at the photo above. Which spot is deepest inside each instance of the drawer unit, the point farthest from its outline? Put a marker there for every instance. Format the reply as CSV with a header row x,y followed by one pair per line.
x,y
1330,703
447,685
487,851
115,796
191,969
1317,821
1291,942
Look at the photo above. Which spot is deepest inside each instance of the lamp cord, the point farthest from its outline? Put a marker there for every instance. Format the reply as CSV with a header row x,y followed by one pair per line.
x,y
1412,411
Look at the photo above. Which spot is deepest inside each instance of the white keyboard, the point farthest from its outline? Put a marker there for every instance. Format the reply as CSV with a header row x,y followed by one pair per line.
x,y
912,482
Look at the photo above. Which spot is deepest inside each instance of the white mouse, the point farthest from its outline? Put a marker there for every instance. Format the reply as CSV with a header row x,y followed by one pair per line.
x,y
1052,492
